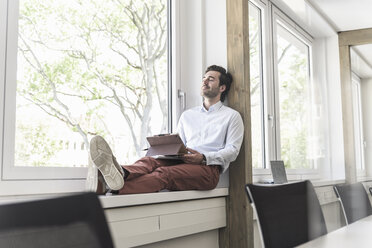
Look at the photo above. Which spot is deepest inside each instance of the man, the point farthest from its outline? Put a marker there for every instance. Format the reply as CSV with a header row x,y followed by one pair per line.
x,y
212,133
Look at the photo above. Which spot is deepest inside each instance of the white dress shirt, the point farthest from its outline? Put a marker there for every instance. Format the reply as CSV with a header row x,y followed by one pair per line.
x,y
217,133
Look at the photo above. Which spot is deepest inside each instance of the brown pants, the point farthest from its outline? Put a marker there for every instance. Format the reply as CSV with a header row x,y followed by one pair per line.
x,y
152,175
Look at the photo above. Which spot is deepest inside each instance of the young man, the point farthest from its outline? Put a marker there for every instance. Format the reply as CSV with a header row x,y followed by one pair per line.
x,y
212,133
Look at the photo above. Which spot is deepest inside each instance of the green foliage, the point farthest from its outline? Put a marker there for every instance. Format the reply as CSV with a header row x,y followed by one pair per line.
x,y
294,101
82,61
36,147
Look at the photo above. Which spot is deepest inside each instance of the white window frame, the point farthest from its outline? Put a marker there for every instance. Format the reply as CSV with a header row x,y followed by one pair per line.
x,y
280,19
267,122
272,138
9,171
17,180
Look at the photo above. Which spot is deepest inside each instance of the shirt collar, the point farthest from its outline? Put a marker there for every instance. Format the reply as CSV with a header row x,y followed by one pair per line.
x,y
214,107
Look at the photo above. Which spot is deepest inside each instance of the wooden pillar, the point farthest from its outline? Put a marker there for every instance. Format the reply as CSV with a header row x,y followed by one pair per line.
x,y
347,113
239,230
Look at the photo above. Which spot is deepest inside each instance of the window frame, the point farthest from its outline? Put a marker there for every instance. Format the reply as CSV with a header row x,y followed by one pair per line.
x,y
38,179
264,77
272,135
290,27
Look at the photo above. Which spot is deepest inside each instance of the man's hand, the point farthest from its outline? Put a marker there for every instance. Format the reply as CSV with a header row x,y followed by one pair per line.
x,y
194,157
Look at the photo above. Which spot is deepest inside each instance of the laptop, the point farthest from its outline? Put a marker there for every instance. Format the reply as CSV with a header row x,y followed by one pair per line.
x,y
278,171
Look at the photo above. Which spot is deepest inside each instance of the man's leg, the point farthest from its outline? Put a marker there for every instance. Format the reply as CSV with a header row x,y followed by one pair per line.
x,y
111,175
174,177
146,165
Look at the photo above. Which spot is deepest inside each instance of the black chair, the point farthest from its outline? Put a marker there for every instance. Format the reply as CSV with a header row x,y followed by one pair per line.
x,y
354,201
287,214
370,190
72,221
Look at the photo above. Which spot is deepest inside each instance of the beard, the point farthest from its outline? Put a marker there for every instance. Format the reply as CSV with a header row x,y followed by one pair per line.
x,y
209,92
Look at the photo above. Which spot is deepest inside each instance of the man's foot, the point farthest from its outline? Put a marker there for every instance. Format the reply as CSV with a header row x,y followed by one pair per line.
x,y
104,160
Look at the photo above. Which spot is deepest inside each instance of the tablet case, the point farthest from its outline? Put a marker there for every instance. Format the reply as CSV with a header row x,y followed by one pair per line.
x,y
165,144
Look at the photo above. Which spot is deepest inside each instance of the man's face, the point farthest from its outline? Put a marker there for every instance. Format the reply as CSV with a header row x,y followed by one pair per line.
x,y
210,85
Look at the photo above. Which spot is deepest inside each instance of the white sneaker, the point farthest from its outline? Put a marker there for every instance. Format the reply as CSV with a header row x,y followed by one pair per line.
x,y
105,162
91,182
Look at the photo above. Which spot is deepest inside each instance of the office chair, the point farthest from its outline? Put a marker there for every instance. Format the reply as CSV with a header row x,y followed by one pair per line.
x,y
287,214
354,201
72,221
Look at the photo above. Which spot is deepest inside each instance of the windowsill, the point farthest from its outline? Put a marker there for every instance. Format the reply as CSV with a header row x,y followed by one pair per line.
x,y
324,183
315,181
264,176
364,178
267,177
257,172
115,201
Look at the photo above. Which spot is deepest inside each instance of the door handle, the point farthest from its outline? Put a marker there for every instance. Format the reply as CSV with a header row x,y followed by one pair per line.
x,y
182,96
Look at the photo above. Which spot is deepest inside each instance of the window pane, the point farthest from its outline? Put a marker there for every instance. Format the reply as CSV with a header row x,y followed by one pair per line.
x,y
294,100
86,68
255,48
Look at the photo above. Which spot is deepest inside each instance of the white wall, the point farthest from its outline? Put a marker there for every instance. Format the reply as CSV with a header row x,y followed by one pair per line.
x,y
190,49
320,97
201,41
335,109
215,33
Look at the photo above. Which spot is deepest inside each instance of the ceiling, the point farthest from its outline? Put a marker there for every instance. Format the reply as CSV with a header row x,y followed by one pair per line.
x,y
345,15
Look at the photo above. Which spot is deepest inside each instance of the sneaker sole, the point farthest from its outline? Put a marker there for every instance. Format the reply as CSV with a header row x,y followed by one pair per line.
x,y
102,157
91,183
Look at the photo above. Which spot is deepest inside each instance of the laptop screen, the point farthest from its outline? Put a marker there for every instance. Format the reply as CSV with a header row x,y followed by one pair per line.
x,y
278,171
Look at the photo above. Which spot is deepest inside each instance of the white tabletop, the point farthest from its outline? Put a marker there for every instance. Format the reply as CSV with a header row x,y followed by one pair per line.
x,y
357,234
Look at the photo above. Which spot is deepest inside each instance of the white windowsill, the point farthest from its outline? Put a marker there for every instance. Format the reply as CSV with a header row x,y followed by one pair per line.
x,y
115,201
364,178
323,183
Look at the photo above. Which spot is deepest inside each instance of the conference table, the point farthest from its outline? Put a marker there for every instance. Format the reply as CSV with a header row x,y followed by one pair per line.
x,y
357,234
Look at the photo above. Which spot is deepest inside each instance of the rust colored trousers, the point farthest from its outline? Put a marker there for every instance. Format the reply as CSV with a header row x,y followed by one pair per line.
x,y
149,175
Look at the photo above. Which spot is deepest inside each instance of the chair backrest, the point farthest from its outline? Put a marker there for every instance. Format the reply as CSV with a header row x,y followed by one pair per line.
x,y
71,221
354,201
288,214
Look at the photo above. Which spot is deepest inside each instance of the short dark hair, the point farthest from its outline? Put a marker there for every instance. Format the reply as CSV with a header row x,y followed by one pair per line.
x,y
225,78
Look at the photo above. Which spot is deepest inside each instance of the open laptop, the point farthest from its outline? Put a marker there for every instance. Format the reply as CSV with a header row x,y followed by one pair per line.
x,y
278,171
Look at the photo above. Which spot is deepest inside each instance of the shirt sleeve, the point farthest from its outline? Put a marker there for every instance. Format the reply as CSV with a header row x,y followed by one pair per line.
x,y
234,139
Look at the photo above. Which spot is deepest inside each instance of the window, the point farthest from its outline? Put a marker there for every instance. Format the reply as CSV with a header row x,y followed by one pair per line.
x,y
293,94
83,68
286,105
